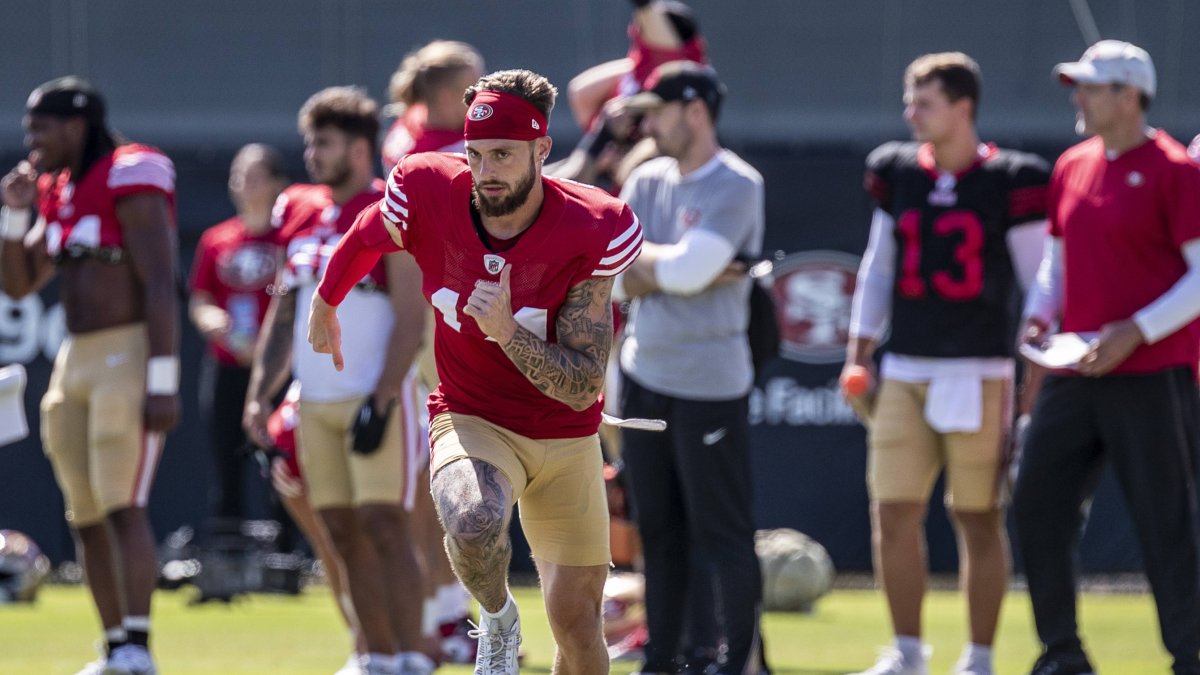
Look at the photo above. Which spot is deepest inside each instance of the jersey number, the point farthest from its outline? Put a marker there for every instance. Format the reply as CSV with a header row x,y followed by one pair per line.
x,y
446,302
963,283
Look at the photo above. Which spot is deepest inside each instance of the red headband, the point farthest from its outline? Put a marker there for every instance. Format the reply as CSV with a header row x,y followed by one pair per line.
x,y
495,114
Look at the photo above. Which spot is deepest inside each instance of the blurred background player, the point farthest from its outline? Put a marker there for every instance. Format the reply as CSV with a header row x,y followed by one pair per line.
x,y
107,223
427,100
234,264
957,233
1123,269
612,144
426,92
520,269
358,428
686,359
288,481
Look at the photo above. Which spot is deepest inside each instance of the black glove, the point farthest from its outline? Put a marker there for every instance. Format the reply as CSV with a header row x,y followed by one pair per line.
x,y
369,424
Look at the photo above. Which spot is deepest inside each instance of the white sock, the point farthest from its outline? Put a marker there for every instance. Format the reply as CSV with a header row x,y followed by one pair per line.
x,y
388,661
507,615
453,602
911,649
141,623
115,634
429,617
975,653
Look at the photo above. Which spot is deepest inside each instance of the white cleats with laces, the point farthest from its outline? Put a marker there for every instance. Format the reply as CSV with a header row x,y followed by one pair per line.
x,y
498,648
130,660
892,662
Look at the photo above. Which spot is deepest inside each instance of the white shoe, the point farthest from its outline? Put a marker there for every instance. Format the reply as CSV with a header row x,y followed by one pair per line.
x,y
892,662
416,663
351,667
130,660
95,667
969,666
498,648
379,666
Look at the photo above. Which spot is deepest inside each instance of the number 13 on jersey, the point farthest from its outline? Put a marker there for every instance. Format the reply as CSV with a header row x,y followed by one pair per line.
x,y
964,280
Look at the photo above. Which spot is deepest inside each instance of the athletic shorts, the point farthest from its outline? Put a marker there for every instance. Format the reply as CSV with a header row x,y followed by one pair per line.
x,y
336,476
92,423
558,483
906,454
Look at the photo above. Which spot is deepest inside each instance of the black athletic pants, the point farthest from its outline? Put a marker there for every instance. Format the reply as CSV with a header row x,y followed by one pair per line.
x,y
1146,426
691,493
223,397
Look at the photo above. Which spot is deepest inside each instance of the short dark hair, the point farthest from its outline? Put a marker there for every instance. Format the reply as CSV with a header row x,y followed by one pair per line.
x,y
957,72
524,83
348,109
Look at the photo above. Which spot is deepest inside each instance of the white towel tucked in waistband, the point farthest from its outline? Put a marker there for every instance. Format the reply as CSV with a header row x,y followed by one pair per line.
x,y
955,403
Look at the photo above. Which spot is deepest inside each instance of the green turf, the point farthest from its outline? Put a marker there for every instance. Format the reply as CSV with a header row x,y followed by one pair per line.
x,y
302,635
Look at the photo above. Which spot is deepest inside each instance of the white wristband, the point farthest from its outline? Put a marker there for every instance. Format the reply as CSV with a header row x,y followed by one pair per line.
x,y
14,223
162,376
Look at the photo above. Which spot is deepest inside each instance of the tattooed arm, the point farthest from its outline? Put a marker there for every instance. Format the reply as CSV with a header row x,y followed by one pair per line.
x,y
571,371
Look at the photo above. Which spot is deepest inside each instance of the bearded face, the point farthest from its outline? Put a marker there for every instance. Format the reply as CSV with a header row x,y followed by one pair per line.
x,y
494,197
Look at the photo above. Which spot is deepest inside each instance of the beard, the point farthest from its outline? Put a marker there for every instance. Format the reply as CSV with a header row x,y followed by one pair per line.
x,y
509,203
335,173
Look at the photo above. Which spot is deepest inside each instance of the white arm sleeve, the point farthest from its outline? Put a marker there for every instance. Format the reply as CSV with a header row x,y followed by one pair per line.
x,y
872,307
689,266
1025,245
1178,306
1044,301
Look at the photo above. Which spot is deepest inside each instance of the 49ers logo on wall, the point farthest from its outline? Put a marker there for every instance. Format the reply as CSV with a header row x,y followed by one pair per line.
x,y
813,292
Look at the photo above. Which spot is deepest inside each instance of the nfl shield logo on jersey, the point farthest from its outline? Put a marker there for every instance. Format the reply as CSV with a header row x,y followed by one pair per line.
x,y
493,263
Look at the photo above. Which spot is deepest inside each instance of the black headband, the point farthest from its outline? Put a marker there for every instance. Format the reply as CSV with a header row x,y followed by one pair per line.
x,y
67,97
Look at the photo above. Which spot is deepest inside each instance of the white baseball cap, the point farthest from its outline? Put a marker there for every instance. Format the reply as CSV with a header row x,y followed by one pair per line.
x,y
1111,62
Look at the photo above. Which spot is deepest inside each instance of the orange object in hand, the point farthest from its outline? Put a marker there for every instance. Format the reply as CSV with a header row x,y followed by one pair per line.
x,y
856,381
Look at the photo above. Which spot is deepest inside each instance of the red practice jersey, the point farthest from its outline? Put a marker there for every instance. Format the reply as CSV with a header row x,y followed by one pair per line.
x,y
580,233
81,214
409,135
1123,222
309,225
235,268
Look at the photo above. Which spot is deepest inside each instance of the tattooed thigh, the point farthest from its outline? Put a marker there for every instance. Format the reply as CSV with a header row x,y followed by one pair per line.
x,y
472,499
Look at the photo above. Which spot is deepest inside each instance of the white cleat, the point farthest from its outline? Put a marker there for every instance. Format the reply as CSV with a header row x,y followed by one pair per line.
x,y
892,662
130,660
498,649
416,663
351,667
95,667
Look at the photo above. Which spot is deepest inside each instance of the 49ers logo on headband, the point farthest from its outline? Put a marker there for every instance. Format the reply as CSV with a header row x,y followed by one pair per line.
x,y
500,115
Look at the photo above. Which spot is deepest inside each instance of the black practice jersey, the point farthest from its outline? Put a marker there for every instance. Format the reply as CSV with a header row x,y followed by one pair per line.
x,y
953,291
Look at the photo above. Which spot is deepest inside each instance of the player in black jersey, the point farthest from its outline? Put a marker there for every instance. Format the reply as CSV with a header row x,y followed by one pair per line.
x,y
958,227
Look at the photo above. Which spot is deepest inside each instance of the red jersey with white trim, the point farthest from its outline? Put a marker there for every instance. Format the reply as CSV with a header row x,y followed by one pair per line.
x,y
309,225
580,233
1123,222
408,137
81,215
235,268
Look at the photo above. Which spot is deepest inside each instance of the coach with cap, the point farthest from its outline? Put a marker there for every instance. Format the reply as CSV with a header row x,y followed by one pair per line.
x,y
1122,269
686,359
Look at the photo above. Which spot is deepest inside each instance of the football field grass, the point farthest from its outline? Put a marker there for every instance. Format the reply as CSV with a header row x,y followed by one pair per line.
x,y
302,635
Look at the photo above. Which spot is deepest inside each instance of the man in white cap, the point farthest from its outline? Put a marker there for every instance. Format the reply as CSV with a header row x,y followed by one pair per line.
x,y
1122,269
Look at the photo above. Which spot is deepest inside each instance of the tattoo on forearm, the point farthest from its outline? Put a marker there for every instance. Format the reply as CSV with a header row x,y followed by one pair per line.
x,y
571,371
473,507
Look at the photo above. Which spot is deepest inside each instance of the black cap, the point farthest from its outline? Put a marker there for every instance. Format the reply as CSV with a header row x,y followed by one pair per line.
x,y
680,81
68,96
